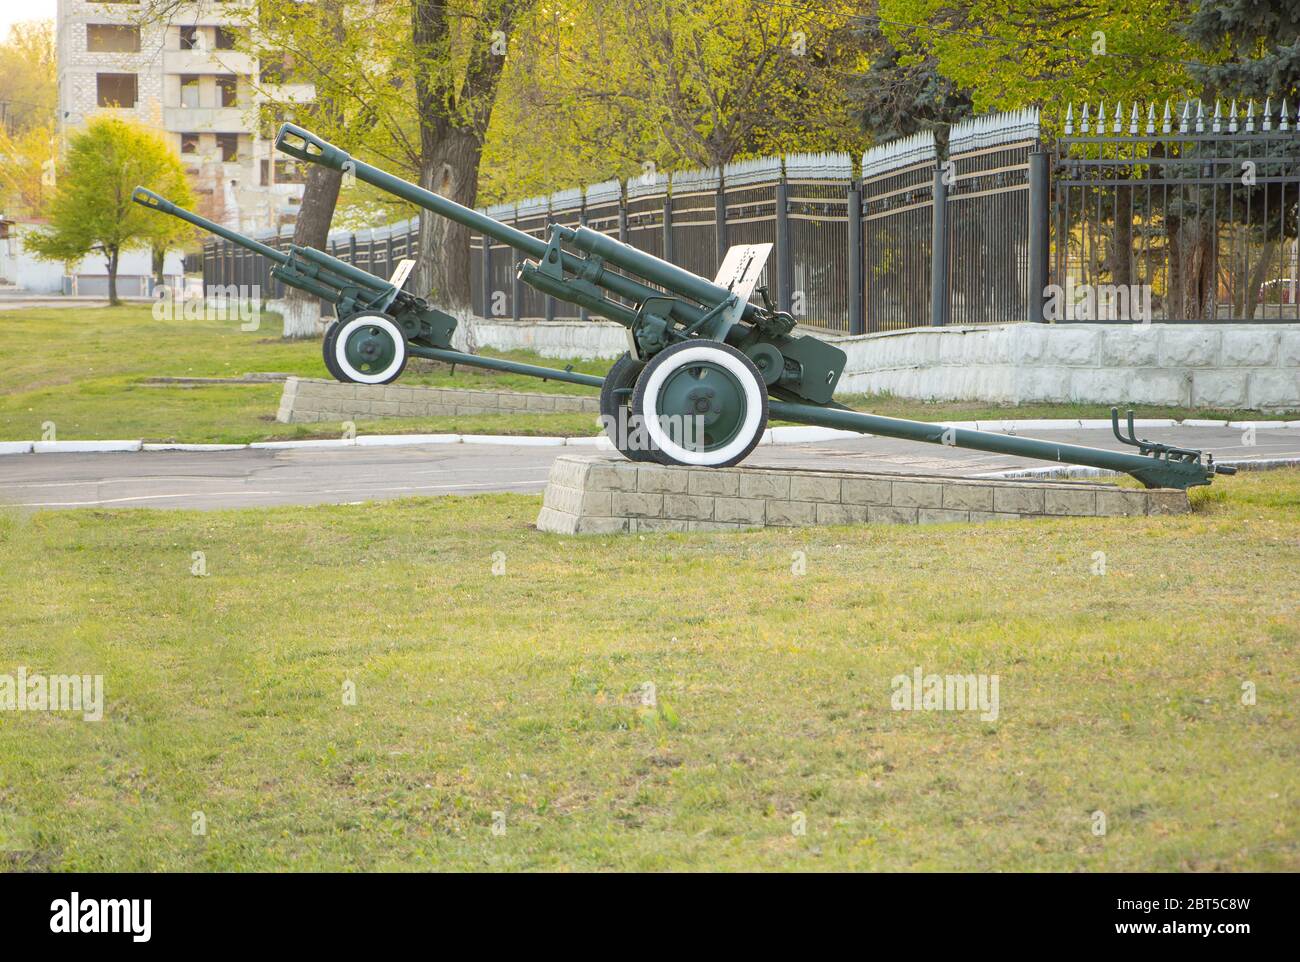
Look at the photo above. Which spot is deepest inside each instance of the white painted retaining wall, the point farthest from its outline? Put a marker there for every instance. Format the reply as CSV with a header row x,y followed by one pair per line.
x,y
563,339
1205,365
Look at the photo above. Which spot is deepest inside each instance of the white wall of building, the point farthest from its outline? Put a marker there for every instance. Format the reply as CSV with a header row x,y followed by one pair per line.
x,y
19,268
88,276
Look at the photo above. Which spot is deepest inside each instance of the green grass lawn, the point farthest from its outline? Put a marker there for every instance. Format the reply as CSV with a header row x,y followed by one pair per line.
x,y
521,693
84,370
91,385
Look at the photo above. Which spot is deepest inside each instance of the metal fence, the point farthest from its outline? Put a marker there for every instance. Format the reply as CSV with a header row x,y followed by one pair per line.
x,y
987,188
1197,216
1190,211
898,181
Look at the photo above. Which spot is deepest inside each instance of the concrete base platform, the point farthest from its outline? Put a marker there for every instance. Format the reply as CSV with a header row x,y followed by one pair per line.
x,y
598,495
309,400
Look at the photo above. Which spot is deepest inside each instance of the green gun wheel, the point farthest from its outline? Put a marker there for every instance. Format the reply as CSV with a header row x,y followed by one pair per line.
x,y
702,403
616,416
369,349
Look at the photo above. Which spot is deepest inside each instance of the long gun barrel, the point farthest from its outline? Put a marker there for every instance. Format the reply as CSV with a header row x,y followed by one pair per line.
x,y
320,267
306,146
148,198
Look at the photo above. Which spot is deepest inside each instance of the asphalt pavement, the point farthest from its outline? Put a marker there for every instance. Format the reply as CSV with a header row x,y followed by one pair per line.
x,y
259,477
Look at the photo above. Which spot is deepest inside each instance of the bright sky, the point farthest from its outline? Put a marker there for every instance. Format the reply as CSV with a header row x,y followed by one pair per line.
x,y
11,11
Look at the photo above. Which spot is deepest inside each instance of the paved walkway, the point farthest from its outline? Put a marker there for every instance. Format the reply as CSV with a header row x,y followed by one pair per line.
x,y
260,477
13,300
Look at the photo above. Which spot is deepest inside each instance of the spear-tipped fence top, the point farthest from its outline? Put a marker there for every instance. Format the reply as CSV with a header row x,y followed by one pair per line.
x,y
566,201
977,133
606,192
824,165
647,185
533,207
696,179
1192,118
899,153
755,170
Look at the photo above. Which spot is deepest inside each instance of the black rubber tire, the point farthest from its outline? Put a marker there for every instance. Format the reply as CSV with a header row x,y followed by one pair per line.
x,y
327,351
665,356
621,378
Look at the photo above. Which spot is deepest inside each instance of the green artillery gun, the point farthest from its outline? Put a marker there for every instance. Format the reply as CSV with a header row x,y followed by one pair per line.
x,y
706,367
380,317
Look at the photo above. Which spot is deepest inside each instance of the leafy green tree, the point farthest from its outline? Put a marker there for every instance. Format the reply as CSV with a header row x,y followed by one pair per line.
x,y
295,43
724,78
27,168
407,84
900,94
598,88
29,89
321,28
92,211
1251,50
1007,54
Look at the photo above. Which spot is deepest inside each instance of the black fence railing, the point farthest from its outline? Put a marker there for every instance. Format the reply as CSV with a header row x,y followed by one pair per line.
x,y
1178,213
898,184
988,217
1188,218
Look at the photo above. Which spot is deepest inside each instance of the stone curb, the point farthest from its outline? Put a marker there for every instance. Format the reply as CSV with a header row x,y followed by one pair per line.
x,y
799,434
82,447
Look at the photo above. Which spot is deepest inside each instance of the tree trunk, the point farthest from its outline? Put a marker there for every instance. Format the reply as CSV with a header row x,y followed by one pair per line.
x,y
112,277
1236,289
1256,279
302,313
1192,270
451,170
1121,252
454,119
159,266
1209,241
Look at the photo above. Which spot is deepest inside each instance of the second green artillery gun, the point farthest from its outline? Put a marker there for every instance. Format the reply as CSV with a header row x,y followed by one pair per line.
x,y
706,365
379,313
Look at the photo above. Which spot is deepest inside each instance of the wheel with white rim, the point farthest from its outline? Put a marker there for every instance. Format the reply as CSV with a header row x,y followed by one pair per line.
x,y
369,349
702,403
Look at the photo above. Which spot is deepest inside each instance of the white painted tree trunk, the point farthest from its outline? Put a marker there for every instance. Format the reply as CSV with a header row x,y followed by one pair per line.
x,y
465,337
302,316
